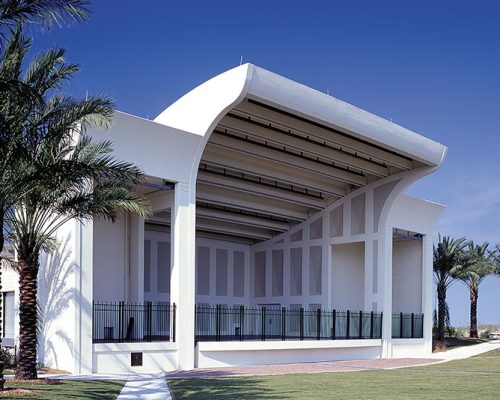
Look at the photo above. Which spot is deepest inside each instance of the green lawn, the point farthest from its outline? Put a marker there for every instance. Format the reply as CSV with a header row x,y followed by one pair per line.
x,y
65,390
477,377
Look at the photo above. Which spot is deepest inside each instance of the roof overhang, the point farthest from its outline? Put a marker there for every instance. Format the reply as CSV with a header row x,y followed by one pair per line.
x,y
274,152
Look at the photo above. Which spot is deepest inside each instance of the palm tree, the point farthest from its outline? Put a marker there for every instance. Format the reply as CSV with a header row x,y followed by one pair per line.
x,y
12,14
68,180
478,264
448,255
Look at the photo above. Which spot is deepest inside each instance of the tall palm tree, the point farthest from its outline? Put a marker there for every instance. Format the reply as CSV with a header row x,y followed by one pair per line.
x,y
70,177
448,255
12,14
478,264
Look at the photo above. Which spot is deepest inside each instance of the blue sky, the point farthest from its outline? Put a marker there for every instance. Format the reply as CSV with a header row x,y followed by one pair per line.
x,y
431,66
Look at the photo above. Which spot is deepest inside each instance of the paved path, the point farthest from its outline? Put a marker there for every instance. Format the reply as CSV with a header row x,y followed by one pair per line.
x,y
304,368
140,387
145,387
466,351
339,366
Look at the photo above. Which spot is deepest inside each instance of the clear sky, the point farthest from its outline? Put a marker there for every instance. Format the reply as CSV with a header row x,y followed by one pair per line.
x,y
431,66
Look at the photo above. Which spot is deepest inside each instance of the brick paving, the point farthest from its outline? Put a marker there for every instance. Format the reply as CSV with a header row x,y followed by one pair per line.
x,y
304,368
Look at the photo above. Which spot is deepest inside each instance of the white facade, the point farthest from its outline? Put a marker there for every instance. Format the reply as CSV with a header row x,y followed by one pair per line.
x,y
264,193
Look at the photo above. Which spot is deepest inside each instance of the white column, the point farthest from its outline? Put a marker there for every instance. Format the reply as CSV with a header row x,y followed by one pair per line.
x,y
385,287
136,258
84,296
427,289
182,290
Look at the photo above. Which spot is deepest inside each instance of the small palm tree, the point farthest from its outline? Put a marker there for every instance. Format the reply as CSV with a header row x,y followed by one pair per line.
x,y
448,255
478,264
70,177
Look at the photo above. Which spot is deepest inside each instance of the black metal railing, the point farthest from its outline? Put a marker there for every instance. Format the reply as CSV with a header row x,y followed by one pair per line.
x,y
407,326
132,322
217,323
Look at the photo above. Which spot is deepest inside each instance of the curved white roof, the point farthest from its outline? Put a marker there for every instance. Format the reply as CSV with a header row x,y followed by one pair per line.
x,y
201,109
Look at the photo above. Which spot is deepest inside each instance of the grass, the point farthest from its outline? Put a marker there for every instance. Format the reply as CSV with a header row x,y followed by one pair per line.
x,y
477,377
62,390
454,342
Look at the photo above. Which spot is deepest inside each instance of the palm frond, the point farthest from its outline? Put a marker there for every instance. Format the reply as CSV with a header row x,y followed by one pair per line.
x,y
46,12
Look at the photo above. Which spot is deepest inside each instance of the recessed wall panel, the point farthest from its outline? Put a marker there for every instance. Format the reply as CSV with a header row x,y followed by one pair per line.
x,y
163,280
221,269
260,274
296,271
239,274
315,268
337,221
277,273
203,270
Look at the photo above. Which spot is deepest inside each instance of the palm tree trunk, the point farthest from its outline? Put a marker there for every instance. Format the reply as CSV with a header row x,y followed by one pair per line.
x,y
441,291
473,294
2,242
28,315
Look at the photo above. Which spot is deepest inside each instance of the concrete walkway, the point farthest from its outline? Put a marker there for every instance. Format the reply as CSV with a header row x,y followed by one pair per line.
x,y
304,368
145,387
140,387
466,351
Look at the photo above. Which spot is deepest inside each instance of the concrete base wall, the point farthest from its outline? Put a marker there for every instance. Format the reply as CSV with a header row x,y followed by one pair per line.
x,y
228,354
411,348
112,358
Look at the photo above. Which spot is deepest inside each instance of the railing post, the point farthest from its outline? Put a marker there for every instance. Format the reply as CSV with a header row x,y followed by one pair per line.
x,y
263,323
301,323
121,316
361,324
173,323
348,324
217,322
412,325
334,323
149,313
381,321
242,321
283,323
401,325
94,331
318,324
371,325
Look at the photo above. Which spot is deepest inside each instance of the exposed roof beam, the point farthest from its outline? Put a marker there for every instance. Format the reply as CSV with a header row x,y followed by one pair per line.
x,y
289,160
161,200
266,168
253,203
300,143
241,219
302,127
233,229
246,186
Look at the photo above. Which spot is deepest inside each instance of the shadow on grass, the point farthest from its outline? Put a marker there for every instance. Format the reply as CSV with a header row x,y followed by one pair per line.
x,y
223,389
64,390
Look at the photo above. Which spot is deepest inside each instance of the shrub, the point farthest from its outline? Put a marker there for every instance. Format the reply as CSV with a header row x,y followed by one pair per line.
x,y
7,356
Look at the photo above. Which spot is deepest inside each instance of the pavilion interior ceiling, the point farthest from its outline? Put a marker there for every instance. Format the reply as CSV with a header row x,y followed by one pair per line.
x,y
265,170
